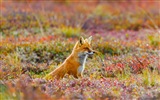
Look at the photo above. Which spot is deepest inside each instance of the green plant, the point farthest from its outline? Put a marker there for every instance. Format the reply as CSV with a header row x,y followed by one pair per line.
x,y
69,31
150,78
154,40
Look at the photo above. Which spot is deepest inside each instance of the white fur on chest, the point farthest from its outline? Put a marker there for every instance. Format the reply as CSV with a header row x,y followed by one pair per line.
x,y
82,64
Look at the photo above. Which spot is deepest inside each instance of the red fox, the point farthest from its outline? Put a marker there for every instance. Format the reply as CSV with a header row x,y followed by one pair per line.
x,y
74,64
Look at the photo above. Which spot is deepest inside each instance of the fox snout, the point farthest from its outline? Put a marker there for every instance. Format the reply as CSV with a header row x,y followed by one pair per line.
x,y
90,52
93,52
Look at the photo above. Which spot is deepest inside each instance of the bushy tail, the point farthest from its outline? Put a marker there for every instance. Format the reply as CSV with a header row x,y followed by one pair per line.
x,y
56,74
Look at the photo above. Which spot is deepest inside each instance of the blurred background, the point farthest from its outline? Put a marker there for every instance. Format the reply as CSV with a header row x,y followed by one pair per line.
x,y
49,17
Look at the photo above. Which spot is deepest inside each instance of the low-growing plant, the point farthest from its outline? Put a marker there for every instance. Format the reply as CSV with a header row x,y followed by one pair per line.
x,y
150,78
69,31
154,40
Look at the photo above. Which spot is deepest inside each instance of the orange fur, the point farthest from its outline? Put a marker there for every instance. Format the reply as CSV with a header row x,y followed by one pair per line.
x,y
75,63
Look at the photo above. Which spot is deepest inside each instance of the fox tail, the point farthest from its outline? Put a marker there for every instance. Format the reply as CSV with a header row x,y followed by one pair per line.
x,y
57,73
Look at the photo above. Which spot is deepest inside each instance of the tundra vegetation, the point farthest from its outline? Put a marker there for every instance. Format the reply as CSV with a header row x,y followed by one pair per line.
x,y
36,37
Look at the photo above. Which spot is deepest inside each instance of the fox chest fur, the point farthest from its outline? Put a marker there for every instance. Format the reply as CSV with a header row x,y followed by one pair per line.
x,y
82,60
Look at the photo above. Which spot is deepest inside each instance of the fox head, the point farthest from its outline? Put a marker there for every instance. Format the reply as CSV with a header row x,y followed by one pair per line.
x,y
83,47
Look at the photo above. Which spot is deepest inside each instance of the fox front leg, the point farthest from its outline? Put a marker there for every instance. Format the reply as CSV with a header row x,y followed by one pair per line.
x,y
80,75
75,76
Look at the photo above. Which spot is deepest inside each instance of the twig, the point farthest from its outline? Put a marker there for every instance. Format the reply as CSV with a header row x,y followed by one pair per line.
x,y
138,60
38,20
149,16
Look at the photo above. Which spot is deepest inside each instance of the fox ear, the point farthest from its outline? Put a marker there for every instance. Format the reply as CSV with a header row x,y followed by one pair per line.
x,y
89,39
81,41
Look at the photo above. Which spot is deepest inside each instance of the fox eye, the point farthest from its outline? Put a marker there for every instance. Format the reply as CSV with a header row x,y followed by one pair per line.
x,y
86,48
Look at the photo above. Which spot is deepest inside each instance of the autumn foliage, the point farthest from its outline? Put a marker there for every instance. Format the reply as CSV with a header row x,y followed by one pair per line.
x,y
36,37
